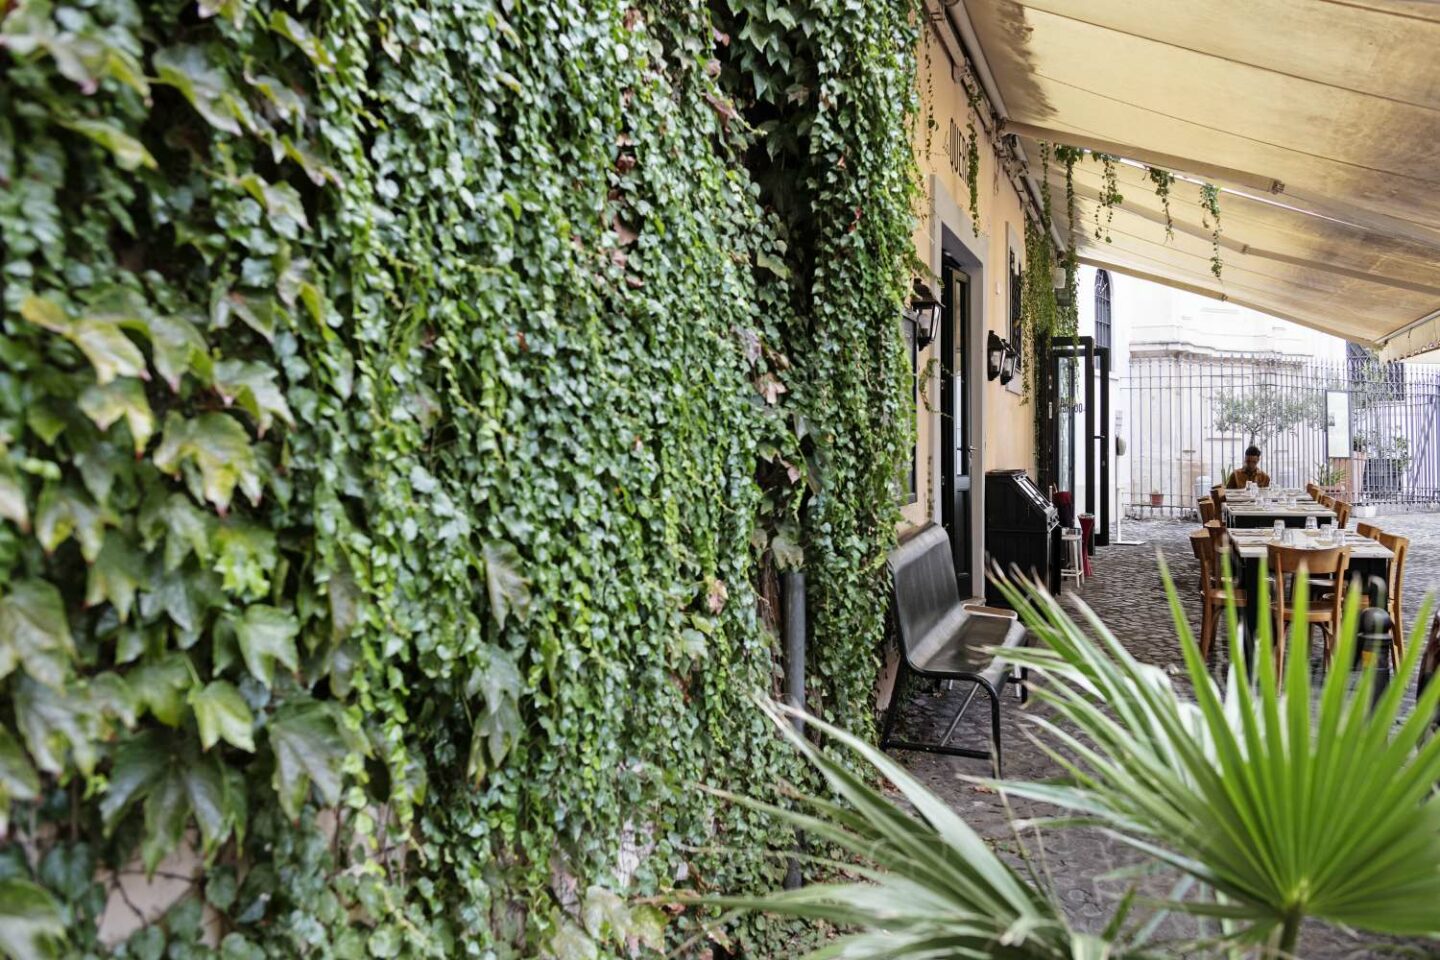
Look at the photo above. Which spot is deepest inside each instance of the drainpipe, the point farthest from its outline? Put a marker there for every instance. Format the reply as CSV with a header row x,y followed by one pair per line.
x,y
792,598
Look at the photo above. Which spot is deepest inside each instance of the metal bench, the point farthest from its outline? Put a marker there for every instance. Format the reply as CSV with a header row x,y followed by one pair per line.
x,y
946,639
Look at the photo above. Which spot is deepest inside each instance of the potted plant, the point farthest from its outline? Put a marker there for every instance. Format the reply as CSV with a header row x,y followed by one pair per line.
x,y
1330,477
1157,499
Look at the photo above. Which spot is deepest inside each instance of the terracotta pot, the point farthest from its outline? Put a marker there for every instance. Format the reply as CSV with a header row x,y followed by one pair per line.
x,y
1157,499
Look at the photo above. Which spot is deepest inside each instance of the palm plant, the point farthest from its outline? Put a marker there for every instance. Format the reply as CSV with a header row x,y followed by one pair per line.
x,y
1270,806
929,886
1283,805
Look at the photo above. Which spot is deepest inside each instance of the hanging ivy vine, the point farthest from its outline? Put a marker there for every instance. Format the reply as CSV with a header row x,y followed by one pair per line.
x,y
1163,180
1110,196
402,409
1210,220
972,160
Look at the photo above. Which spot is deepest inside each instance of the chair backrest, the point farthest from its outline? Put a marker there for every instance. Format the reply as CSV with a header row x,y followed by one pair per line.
x,y
1217,500
1368,530
1399,546
1208,511
1200,546
1221,546
1313,490
1285,561
922,572
1327,501
1342,513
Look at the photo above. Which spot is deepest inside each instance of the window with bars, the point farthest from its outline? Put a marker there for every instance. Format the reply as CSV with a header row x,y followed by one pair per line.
x,y
1102,308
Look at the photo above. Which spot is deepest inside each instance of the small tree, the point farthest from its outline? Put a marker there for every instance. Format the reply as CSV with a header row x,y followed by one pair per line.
x,y
1265,412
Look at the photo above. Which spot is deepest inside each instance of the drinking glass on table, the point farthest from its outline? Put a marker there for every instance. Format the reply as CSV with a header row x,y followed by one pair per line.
x,y
1311,523
1279,529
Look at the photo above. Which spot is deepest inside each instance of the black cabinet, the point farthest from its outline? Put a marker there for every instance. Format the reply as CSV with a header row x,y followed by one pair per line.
x,y
1022,529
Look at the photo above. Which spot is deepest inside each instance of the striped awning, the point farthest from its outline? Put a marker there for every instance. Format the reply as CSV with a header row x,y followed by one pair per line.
x,y
1319,121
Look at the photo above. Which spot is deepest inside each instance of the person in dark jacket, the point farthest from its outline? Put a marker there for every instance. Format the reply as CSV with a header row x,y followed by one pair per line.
x,y
1251,471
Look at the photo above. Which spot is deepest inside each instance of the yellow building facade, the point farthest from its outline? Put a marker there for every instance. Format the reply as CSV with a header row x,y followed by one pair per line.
x,y
966,423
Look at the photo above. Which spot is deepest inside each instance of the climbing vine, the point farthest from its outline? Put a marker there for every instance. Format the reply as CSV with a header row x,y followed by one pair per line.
x,y
1210,220
403,408
1110,196
1163,180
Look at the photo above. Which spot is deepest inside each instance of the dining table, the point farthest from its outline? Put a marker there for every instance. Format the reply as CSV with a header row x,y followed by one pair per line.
x,y
1367,558
1249,512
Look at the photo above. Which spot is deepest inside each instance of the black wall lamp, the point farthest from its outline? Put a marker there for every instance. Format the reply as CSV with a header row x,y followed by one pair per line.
x,y
1009,365
925,314
995,351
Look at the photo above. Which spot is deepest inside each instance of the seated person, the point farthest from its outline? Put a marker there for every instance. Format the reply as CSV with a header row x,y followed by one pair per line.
x,y
1251,471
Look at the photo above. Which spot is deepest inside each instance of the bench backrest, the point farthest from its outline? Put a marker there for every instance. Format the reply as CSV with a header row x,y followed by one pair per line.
x,y
922,570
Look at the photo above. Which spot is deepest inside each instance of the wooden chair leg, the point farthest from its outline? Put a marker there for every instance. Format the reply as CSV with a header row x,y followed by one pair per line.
x,y
1397,634
1207,627
1279,645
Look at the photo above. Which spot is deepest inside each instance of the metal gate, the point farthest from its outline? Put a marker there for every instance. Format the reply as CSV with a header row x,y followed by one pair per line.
x,y
1189,417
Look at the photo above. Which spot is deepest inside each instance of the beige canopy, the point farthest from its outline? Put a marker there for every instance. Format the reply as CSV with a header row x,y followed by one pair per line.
x,y
1318,119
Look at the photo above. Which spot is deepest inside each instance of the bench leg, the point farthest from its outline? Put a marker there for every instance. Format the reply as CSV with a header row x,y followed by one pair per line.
x,y
994,728
959,714
897,697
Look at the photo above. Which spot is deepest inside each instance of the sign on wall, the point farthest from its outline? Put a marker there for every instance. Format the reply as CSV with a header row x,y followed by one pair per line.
x,y
1337,423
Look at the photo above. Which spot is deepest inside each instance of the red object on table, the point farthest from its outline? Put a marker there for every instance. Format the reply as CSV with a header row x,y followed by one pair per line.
x,y
1087,537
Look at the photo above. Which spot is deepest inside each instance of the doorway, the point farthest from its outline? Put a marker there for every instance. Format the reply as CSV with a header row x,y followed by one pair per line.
x,y
1075,437
955,442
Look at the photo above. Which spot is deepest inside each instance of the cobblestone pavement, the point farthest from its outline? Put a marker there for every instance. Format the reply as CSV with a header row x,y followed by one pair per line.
x,y
1126,590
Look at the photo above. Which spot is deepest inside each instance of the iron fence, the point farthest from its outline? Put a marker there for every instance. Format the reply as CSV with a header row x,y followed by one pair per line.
x,y
1189,418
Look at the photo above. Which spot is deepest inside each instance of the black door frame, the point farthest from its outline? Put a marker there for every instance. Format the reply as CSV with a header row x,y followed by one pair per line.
x,y
1097,459
956,460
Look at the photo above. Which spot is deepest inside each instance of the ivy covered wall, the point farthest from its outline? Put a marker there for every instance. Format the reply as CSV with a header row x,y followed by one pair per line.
x,y
404,409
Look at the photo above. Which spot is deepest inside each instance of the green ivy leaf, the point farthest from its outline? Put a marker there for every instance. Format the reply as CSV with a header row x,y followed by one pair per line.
x,y
222,714
138,764
294,31
34,632
509,591
13,505
62,512
219,448
106,404
604,914
46,313
129,153
31,925
245,556
252,386
109,351
184,526
160,687
188,69
52,721
266,634
18,779
281,201
309,748
179,349
115,575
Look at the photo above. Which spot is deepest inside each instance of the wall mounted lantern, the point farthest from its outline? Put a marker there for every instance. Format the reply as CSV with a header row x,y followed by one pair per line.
x,y
925,314
995,351
1010,364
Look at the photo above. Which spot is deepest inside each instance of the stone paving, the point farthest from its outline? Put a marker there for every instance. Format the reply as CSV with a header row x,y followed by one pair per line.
x,y
1126,590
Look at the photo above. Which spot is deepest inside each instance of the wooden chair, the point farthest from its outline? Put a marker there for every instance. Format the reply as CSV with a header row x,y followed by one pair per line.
x,y
1323,610
1208,545
1342,513
1327,501
1399,546
1368,530
1313,490
1217,497
1208,511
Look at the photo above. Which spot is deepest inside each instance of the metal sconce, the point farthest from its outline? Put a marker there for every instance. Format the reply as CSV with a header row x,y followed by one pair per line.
x,y
1010,364
925,314
995,352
